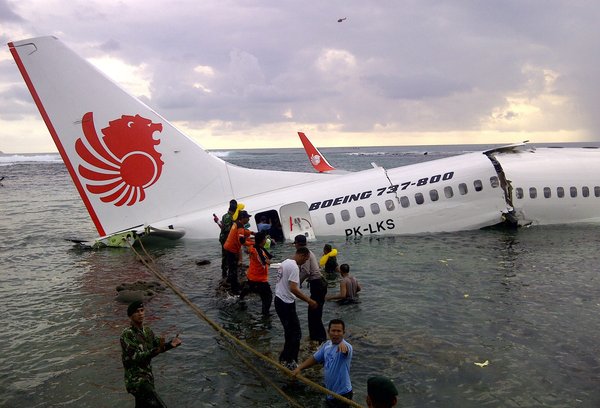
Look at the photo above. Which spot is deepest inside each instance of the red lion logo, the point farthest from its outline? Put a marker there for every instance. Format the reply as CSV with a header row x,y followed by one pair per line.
x,y
124,162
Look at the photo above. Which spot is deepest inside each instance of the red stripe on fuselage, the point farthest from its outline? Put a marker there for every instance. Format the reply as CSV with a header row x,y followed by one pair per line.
x,y
57,142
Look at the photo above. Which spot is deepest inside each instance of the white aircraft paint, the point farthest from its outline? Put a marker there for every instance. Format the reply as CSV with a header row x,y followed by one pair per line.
x,y
133,169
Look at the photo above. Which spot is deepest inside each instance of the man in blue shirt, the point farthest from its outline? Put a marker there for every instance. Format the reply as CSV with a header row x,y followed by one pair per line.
x,y
336,356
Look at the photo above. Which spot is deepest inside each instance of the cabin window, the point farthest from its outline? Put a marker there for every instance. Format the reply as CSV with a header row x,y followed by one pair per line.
x,y
547,192
597,191
573,192
448,192
330,218
478,185
389,205
419,198
532,192
345,215
433,194
405,203
560,192
462,189
494,182
585,191
519,192
360,211
375,208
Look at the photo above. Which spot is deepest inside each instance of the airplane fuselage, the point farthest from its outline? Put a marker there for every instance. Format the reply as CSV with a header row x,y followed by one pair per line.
x,y
452,194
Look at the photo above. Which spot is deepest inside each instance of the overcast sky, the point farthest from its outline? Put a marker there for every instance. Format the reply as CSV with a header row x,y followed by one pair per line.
x,y
233,73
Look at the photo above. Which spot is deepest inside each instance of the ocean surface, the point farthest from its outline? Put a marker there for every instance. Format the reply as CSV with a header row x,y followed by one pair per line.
x,y
525,301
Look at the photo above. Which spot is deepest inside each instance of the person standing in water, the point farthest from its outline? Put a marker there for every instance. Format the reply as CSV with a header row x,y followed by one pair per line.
x,y
286,291
336,357
139,346
225,224
258,272
349,287
318,289
233,249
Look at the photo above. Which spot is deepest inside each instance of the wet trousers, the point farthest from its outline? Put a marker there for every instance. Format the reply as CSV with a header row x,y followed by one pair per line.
x,y
291,327
223,262
334,403
146,397
264,291
318,290
232,271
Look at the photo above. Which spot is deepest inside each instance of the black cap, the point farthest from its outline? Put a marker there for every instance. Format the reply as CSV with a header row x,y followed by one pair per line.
x,y
243,214
300,239
133,306
381,390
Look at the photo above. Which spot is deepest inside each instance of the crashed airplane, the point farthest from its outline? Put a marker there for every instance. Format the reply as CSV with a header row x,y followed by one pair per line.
x,y
137,174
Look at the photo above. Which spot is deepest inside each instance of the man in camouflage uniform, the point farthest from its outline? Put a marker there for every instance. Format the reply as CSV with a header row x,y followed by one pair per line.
x,y
139,345
226,223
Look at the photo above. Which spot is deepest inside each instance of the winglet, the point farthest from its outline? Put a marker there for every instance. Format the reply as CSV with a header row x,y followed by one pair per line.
x,y
318,161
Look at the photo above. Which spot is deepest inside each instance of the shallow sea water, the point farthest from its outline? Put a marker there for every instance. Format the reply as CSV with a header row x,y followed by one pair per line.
x,y
526,301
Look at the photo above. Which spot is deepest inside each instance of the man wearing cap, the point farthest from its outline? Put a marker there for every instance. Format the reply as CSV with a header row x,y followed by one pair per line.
x,y
233,249
139,345
381,392
318,289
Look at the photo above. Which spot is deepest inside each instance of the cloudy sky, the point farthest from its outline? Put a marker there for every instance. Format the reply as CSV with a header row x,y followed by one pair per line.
x,y
234,74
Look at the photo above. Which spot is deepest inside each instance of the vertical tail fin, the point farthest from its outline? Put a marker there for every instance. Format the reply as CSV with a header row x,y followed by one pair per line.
x,y
130,166
318,161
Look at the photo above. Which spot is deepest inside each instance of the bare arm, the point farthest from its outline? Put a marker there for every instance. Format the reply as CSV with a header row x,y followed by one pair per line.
x,y
341,295
299,294
309,362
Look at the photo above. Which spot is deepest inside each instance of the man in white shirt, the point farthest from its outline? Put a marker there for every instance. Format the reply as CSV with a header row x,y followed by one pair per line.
x,y
286,291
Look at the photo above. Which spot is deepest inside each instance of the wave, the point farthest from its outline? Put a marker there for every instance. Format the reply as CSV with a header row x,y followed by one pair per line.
x,y
8,159
367,153
409,153
220,153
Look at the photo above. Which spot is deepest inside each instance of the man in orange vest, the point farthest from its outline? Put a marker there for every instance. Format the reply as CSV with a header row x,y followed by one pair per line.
x,y
258,272
233,247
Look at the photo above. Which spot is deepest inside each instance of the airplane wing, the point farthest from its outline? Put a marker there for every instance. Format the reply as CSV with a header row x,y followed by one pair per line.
x,y
318,161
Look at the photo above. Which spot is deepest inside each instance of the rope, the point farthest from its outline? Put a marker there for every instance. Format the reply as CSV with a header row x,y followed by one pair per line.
x,y
263,377
231,337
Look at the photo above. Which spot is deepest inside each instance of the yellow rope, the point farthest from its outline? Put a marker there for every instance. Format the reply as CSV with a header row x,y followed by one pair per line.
x,y
228,335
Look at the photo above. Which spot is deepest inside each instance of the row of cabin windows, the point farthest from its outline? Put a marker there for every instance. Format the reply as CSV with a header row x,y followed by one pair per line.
x,y
405,202
560,192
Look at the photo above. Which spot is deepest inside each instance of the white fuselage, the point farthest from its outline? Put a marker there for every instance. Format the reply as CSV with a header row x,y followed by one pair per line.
x,y
458,193
132,168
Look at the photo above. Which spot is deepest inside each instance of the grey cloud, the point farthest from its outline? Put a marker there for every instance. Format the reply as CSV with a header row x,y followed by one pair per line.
x,y
6,13
15,103
425,65
110,46
418,87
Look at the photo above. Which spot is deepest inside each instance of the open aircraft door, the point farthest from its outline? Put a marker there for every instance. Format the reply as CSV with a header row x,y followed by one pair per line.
x,y
295,220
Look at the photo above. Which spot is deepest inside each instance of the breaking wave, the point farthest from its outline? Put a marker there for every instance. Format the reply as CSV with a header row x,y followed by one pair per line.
x,y
220,153
9,159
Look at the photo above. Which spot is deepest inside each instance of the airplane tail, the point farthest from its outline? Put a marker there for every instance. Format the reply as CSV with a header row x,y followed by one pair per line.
x,y
130,166
318,161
